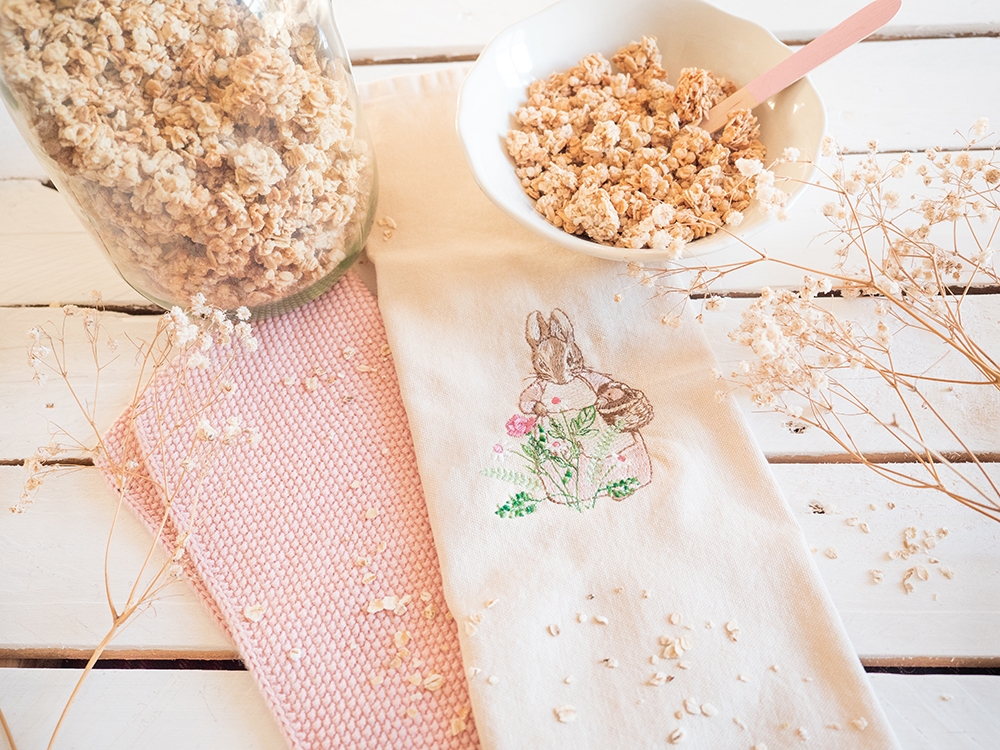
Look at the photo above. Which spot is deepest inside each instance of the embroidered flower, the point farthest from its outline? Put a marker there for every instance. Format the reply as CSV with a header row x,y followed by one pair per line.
x,y
520,425
556,400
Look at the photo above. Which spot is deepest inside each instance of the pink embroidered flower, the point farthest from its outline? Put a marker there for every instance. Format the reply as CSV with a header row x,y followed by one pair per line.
x,y
520,425
621,457
556,400
498,448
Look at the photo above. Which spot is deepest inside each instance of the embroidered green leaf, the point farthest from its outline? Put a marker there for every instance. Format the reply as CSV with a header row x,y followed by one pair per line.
x,y
520,505
602,449
622,488
584,420
514,477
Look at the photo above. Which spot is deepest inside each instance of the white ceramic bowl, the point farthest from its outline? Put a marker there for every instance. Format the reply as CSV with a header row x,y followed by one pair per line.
x,y
690,33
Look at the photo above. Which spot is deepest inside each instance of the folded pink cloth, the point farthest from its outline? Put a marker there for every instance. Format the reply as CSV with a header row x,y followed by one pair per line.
x,y
296,537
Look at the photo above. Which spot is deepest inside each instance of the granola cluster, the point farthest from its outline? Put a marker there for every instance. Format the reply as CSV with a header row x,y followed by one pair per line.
x,y
610,150
215,151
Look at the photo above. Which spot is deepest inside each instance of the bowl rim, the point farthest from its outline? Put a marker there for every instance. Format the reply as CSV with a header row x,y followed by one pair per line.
x,y
722,239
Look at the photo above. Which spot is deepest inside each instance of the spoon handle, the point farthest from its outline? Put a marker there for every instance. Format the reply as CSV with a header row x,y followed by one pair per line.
x,y
863,23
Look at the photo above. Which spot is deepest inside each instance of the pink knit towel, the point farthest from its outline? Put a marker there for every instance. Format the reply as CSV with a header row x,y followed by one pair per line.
x,y
296,537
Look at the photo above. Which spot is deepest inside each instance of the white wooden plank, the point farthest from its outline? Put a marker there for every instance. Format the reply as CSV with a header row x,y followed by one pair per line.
x,y
928,712
972,411
154,710
31,413
943,618
52,600
163,710
382,29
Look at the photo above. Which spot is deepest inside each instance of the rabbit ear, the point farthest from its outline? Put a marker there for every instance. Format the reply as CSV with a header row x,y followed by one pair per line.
x,y
536,329
560,326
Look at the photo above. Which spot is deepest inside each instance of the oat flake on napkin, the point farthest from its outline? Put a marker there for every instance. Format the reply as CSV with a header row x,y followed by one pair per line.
x,y
622,567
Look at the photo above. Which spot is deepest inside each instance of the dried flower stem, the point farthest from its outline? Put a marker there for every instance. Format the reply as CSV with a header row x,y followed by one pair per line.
x,y
7,732
918,279
178,345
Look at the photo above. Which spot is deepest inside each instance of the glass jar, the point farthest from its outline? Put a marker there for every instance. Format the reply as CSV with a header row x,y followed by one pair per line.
x,y
211,146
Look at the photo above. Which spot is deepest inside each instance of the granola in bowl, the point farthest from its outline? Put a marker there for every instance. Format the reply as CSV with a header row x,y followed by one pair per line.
x,y
211,148
611,151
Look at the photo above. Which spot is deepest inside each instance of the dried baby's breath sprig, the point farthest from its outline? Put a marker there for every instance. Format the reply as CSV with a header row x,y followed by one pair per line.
x,y
911,264
201,339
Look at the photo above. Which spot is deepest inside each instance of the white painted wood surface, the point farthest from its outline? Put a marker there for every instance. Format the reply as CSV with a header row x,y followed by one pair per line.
x,y
461,27
165,710
51,580
910,94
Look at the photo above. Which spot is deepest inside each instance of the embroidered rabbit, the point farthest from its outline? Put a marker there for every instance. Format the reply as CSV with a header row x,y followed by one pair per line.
x,y
566,394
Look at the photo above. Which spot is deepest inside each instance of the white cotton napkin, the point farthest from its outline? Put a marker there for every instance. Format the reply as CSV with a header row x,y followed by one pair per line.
x,y
623,569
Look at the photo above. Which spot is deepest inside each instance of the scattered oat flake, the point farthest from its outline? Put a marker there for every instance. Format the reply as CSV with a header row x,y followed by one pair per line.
x,y
646,594
254,612
864,527
610,663
678,714
859,723
890,506
367,578
851,521
657,679
476,618
739,723
877,576
930,542
946,697
565,714
709,625
425,596
942,532
348,352
784,725
377,679
684,665
834,726
921,572
295,654
807,679
743,678
773,667
871,506
412,713
434,681
568,679
490,603
371,513
692,706
415,679
674,619
290,381
457,726
676,736
401,638
947,573
492,679
803,733
470,628
355,485
707,709
759,746
600,620
831,553
473,671
580,617
554,629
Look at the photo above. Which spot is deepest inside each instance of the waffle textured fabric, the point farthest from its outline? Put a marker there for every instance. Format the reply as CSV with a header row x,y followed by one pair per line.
x,y
286,533
648,583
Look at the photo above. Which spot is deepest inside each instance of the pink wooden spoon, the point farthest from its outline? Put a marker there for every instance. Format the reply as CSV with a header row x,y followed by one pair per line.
x,y
863,23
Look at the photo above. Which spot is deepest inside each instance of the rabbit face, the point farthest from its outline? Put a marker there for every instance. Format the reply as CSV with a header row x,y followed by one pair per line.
x,y
554,354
